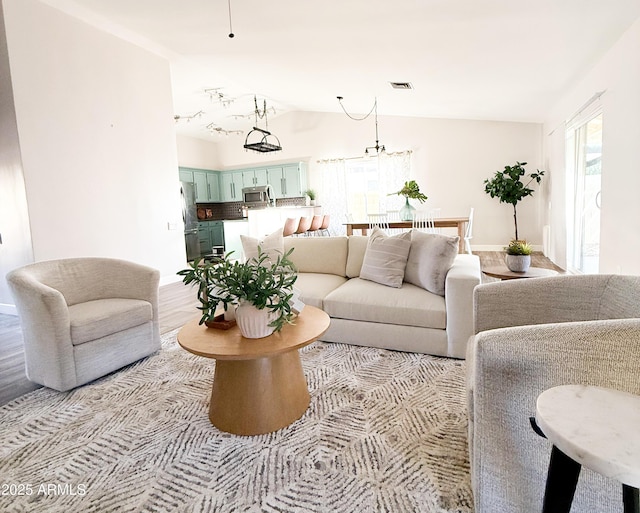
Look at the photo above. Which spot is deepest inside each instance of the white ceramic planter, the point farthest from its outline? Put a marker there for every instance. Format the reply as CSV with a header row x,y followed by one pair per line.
x,y
518,263
254,323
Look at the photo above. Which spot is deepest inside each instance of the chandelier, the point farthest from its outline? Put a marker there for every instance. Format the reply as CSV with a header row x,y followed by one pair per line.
x,y
263,140
379,148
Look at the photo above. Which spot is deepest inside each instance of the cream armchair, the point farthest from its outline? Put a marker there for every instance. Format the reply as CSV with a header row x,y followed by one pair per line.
x,y
82,318
532,335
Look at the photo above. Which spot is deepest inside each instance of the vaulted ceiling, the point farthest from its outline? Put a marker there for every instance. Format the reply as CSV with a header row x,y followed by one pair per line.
x,y
471,59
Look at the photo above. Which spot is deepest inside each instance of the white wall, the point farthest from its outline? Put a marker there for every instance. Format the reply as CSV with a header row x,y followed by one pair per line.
x,y
451,159
618,72
198,153
97,135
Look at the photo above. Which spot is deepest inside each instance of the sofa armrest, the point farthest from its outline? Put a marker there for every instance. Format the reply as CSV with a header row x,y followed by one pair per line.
x,y
460,282
508,369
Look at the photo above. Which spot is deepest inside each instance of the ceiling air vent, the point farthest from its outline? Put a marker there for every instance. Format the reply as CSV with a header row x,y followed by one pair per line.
x,y
401,85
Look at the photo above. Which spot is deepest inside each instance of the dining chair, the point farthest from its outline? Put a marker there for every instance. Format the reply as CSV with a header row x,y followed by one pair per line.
x,y
423,221
379,220
290,226
393,215
304,225
468,233
316,223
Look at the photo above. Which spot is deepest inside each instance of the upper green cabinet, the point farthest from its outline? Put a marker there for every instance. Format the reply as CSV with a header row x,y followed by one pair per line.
x,y
206,183
231,183
288,180
254,177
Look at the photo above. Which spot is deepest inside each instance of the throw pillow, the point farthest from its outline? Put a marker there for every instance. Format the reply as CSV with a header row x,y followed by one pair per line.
x,y
272,245
430,259
386,258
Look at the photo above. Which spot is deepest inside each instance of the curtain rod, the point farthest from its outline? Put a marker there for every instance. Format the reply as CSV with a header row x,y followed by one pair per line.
x,y
390,154
588,103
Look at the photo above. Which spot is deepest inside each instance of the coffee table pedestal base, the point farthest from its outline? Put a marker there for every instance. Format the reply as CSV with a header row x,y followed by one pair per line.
x,y
254,397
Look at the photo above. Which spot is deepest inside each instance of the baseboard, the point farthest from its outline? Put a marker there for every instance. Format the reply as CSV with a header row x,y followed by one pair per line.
x,y
167,280
8,309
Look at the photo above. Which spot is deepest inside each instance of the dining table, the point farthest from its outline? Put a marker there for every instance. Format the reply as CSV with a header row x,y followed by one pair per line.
x,y
460,223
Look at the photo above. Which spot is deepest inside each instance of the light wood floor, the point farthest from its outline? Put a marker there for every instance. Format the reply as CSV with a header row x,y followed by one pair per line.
x,y
177,306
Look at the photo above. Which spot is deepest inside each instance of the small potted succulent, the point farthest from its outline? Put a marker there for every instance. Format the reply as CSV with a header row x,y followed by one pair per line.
x,y
411,190
260,290
518,258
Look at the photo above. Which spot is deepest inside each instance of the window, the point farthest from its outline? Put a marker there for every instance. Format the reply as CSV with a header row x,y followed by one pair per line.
x,y
355,188
584,168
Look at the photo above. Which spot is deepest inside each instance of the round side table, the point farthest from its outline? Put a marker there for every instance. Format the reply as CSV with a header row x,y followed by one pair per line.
x,y
595,427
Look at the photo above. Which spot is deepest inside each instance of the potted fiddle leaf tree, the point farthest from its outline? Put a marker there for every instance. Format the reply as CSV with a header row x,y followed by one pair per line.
x,y
410,190
511,185
259,289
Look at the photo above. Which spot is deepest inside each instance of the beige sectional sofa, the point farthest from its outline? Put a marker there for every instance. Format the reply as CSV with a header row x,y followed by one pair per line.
x,y
370,314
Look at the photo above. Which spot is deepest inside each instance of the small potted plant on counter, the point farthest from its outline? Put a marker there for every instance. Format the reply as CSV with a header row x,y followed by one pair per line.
x,y
518,258
260,290
411,190
311,194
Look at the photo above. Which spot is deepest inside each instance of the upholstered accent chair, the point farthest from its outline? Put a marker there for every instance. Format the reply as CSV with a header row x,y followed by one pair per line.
x,y
83,318
531,335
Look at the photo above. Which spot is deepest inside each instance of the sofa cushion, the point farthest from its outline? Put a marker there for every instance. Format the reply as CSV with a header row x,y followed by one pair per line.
x,y
430,258
272,245
363,300
327,255
357,249
314,287
102,317
386,258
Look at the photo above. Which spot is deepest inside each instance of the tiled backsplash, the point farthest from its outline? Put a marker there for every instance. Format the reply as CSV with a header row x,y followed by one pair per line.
x,y
233,210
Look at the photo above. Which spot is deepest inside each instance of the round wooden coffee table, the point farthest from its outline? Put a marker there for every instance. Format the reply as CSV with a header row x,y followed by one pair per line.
x,y
503,273
258,384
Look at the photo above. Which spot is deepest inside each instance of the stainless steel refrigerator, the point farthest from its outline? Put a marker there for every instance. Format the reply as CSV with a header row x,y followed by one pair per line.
x,y
190,218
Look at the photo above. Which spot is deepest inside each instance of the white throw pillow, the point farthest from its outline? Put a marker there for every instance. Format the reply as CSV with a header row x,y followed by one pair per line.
x,y
386,258
430,259
272,245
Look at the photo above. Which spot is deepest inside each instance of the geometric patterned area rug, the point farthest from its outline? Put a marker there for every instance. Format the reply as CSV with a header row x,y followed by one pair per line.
x,y
386,431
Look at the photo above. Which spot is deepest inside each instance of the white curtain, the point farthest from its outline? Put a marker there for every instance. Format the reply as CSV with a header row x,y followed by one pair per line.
x,y
394,172
391,171
334,197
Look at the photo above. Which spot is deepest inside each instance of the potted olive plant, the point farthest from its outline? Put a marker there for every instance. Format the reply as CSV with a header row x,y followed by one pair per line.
x,y
260,290
411,190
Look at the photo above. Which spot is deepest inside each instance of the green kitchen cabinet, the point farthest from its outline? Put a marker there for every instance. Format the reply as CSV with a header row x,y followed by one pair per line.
x,y
186,175
231,184
254,177
288,180
210,233
207,186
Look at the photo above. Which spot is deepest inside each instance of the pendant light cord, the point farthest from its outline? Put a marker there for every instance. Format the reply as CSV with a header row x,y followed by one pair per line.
x,y
231,34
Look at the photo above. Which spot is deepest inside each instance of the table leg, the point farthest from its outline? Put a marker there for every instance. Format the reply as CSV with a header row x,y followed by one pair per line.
x,y
631,499
253,397
462,228
349,230
562,479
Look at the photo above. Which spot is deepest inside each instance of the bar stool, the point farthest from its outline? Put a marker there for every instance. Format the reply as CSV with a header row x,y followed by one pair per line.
x,y
324,227
316,223
290,226
304,225
593,427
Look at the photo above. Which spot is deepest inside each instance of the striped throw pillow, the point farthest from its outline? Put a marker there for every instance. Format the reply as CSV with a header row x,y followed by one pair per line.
x,y
386,258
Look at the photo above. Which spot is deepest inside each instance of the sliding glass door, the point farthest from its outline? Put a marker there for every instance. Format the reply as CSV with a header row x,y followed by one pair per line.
x,y
584,167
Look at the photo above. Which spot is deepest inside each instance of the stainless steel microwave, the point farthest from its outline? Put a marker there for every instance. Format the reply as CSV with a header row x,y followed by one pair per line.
x,y
260,196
